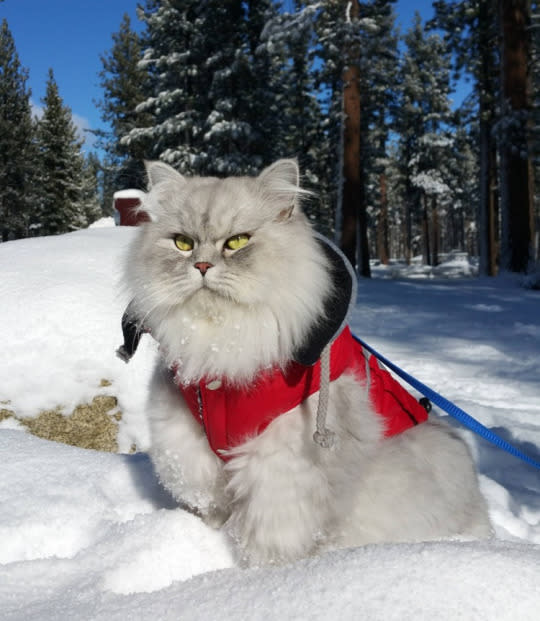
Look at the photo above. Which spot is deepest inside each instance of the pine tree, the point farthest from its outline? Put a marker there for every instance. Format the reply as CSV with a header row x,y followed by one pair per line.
x,y
517,223
173,63
229,132
422,121
61,168
124,85
471,31
296,124
89,209
273,43
201,80
108,184
17,153
535,115
328,25
353,41
378,79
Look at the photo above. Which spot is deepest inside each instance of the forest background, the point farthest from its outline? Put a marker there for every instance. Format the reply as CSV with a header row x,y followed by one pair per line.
x,y
226,87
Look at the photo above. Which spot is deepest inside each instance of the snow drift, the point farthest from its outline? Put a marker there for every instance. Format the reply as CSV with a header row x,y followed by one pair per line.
x,y
90,535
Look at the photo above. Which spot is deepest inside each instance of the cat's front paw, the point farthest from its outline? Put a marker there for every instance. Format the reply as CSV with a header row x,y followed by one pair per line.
x,y
215,517
281,507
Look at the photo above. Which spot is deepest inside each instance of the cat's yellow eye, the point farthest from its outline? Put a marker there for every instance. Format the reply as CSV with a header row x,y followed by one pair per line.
x,y
183,242
237,241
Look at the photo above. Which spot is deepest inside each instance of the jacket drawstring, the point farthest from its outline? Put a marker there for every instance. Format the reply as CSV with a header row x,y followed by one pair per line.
x,y
323,436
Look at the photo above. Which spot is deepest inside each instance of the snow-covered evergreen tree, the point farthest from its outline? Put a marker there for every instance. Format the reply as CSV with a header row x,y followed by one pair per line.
x,y
233,85
17,152
357,38
535,117
229,131
471,31
173,60
61,167
269,51
90,208
378,92
297,121
422,120
124,86
201,74
337,45
460,169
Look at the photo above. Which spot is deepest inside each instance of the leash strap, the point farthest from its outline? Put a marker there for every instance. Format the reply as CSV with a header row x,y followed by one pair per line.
x,y
452,409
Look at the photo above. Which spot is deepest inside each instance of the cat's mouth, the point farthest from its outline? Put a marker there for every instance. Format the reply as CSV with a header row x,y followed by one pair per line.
x,y
207,292
207,285
210,292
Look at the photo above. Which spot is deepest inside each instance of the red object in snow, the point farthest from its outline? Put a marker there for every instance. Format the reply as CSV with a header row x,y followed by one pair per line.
x,y
230,415
127,203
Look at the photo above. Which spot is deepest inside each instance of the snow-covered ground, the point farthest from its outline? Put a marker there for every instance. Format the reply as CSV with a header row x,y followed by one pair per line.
x,y
90,535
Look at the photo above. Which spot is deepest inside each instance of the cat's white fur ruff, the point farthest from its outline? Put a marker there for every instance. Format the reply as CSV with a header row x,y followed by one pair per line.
x,y
280,496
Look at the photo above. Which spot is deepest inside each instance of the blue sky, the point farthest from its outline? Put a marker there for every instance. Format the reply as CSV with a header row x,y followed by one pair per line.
x,y
70,35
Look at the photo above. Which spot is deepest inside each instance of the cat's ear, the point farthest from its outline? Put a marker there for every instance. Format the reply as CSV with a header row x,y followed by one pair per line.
x,y
283,174
281,182
163,183
159,172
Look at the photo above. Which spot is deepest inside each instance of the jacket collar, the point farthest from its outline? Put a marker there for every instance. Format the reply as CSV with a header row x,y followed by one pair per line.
x,y
336,306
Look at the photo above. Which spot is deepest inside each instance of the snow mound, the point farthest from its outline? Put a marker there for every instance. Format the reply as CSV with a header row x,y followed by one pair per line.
x,y
90,535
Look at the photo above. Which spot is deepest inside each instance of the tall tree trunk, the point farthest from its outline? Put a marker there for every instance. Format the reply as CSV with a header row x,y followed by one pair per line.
x,y
354,218
409,203
351,163
407,235
426,248
4,214
516,169
457,230
489,228
488,201
435,232
383,251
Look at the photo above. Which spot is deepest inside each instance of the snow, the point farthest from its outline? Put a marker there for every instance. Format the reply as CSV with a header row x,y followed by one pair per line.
x,y
59,326
130,193
452,265
430,183
90,535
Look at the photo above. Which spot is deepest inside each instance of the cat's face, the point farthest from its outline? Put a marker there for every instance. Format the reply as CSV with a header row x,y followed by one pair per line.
x,y
221,240
227,261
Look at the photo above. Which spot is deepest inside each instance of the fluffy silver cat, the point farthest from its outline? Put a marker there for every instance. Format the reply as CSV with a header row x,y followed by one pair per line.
x,y
230,279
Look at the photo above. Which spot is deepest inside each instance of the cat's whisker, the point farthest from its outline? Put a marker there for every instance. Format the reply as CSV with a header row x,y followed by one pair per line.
x,y
166,301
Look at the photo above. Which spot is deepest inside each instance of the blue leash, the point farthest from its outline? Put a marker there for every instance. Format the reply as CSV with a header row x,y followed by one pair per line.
x,y
452,409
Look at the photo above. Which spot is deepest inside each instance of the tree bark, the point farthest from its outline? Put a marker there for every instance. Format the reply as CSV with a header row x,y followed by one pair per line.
x,y
488,200
426,247
435,232
383,250
516,169
351,163
354,241
407,220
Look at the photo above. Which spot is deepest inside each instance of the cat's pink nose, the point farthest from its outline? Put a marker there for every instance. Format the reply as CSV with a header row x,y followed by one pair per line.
x,y
203,267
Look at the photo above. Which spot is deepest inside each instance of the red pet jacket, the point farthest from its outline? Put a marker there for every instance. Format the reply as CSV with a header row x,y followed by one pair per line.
x,y
231,415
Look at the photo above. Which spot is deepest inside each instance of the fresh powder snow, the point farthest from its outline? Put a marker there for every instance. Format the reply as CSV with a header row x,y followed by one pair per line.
x,y
91,535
